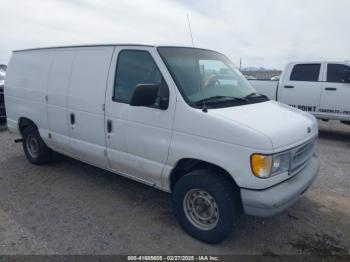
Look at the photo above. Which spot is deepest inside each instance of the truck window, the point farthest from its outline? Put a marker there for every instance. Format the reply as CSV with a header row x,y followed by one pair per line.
x,y
335,72
135,67
306,72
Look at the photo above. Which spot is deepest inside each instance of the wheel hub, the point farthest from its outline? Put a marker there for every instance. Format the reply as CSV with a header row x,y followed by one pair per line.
x,y
32,145
201,209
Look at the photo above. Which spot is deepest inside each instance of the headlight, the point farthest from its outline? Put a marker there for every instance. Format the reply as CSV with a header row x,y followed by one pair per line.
x,y
265,166
281,163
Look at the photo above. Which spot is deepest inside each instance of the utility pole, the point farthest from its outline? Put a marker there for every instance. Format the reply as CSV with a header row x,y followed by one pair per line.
x,y
240,64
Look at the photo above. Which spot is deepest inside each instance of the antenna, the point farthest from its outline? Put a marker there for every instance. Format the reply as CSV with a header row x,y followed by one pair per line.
x,y
189,27
204,109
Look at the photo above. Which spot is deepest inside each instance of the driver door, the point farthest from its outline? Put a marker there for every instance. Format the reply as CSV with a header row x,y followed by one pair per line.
x,y
138,138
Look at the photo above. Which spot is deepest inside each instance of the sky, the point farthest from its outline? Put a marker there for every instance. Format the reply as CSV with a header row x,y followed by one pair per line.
x,y
264,33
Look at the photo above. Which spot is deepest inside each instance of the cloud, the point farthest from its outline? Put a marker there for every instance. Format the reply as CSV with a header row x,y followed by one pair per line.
x,y
263,32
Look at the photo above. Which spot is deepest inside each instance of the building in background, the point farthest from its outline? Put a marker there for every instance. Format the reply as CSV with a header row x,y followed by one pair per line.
x,y
262,74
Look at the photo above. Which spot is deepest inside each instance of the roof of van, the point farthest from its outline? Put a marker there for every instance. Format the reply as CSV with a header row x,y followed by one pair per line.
x,y
102,45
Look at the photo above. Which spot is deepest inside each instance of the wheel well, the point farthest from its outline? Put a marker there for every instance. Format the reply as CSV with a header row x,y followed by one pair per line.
x,y
25,122
187,165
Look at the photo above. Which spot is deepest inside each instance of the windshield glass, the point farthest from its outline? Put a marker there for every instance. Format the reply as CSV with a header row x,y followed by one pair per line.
x,y
204,75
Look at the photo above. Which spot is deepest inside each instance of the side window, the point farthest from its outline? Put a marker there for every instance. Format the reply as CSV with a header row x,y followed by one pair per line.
x,y
306,72
136,67
335,72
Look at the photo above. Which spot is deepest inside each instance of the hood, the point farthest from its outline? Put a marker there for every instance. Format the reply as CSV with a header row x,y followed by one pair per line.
x,y
283,125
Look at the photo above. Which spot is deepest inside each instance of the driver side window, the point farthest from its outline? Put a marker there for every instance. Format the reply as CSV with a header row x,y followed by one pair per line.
x,y
135,67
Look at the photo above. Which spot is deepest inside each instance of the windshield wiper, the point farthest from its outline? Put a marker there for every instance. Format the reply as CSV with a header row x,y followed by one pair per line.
x,y
254,94
219,99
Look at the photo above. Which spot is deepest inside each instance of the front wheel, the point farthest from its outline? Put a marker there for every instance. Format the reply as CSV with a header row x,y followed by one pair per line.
x,y
34,147
207,205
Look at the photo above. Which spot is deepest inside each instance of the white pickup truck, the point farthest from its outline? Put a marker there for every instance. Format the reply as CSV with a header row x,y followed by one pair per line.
x,y
321,88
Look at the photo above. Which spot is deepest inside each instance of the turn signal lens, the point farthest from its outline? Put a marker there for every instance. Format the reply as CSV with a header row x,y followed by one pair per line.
x,y
261,165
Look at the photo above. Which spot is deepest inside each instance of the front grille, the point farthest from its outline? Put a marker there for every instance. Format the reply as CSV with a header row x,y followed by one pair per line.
x,y
300,156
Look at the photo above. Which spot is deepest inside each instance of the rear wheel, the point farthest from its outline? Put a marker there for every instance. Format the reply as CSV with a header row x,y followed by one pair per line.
x,y
207,205
34,147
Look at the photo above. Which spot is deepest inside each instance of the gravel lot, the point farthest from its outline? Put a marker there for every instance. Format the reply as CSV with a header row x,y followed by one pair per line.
x,y
69,207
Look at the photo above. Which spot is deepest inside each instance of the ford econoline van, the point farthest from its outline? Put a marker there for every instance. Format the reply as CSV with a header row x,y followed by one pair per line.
x,y
183,120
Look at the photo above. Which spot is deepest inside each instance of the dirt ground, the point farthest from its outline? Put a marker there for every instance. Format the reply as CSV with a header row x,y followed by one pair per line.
x,y
69,207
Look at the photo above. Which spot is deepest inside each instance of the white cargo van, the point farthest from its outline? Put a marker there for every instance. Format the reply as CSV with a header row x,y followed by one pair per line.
x,y
320,88
183,120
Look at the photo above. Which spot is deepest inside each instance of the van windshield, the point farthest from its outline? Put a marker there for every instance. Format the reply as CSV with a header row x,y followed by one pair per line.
x,y
208,77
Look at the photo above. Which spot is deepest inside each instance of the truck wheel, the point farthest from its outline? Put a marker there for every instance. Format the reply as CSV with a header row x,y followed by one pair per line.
x,y
34,147
207,205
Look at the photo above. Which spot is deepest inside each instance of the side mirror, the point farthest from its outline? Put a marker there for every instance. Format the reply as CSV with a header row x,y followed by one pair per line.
x,y
346,76
164,96
144,95
164,103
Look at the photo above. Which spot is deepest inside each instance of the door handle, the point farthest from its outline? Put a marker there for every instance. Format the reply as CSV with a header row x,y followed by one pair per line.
x,y
72,118
330,88
288,86
109,126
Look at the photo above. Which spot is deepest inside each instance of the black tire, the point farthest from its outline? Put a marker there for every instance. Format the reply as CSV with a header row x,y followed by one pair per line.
x,y
226,196
42,154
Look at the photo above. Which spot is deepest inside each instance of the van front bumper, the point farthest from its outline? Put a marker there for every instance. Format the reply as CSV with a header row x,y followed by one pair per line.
x,y
271,201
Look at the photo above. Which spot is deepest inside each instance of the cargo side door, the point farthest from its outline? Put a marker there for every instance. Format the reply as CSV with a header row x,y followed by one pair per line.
x,y
335,100
301,87
57,99
86,100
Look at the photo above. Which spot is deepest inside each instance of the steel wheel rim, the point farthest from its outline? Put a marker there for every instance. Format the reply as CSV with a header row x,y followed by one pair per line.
x,y
201,209
32,146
